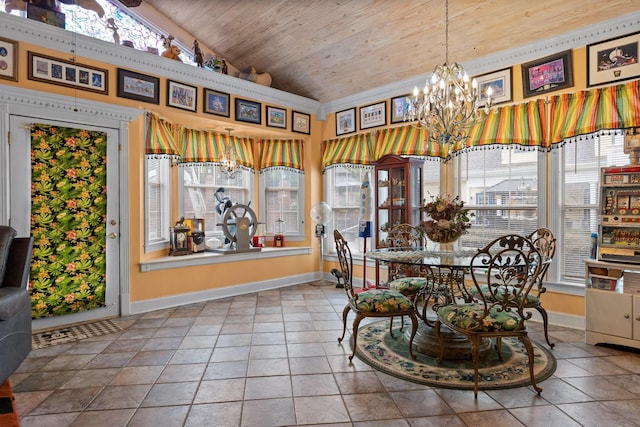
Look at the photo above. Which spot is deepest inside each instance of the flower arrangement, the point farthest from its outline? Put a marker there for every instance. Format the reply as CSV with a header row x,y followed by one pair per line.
x,y
449,219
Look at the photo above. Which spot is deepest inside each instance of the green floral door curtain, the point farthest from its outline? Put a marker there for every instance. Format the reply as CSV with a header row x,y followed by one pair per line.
x,y
68,211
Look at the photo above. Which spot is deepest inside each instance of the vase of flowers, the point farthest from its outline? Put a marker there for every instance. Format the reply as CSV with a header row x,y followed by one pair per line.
x,y
448,219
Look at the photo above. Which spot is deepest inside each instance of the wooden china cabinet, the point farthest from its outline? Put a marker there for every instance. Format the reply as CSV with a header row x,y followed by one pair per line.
x,y
398,196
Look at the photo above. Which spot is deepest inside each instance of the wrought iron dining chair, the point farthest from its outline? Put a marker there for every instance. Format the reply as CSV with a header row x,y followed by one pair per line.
x,y
372,302
508,267
408,279
545,242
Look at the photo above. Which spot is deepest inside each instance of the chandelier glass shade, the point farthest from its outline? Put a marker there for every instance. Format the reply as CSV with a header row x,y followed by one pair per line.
x,y
229,164
448,105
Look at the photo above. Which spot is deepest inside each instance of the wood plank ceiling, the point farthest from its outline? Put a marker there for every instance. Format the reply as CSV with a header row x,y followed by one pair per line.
x,y
328,49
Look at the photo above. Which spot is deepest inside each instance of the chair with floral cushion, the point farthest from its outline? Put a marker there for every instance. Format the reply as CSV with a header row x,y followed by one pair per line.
x,y
545,242
372,302
408,279
508,267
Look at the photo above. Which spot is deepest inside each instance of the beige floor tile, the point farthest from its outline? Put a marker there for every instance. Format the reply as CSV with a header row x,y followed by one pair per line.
x,y
268,413
320,410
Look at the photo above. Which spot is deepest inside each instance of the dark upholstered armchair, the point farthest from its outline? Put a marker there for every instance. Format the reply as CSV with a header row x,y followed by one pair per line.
x,y
15,303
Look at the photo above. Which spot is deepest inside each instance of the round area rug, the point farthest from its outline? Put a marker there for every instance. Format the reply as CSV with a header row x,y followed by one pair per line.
x,y
388,354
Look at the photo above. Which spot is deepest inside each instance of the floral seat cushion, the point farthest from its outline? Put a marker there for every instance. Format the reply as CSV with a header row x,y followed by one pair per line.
x,y
408,285
532,299
464,316
382,301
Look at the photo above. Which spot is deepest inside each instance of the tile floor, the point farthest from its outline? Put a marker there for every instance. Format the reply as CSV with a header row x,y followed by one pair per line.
x,y
272,359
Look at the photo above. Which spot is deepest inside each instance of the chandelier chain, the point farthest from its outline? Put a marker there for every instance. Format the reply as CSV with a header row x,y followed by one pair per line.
x,y
446,32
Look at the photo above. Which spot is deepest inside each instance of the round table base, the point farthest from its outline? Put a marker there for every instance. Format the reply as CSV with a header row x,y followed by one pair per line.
x,y
456,346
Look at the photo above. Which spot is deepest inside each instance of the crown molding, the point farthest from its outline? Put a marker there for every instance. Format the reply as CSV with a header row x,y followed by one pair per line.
x,y
66,107
48,36
54,38
602,31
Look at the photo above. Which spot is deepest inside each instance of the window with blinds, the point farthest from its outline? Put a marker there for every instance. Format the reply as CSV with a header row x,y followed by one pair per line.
x,y
157,203
283,193
500,187
200,185
580,175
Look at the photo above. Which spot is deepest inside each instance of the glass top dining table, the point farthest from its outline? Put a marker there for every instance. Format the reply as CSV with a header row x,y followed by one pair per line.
x,y
456,258
446,269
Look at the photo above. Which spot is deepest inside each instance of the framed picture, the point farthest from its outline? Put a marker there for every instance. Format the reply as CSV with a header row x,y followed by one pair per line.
x,y
345,121
300,122
399,107
547,74
276,117
138,86
248,111
216,103
373,115
8,59
500,84
66,73
180,95
613,60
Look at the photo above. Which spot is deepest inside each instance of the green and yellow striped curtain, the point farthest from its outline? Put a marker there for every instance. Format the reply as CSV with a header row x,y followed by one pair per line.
x,y
282,153
202,146
159,138
354,150
409,140
589,111
520,124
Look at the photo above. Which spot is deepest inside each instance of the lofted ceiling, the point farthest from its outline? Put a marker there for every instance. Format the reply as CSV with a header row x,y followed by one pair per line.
x,y
329,49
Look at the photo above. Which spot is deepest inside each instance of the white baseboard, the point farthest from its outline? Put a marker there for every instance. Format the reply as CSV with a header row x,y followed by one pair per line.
x,y
213,294
561,319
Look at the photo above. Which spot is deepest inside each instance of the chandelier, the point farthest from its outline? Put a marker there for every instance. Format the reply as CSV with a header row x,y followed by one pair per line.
x,y
229,163
448,105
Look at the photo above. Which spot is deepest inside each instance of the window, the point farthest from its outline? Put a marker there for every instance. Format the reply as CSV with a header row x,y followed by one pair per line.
x,y
198,184
502,190
124,26
342,183
157,203
578,172
282,198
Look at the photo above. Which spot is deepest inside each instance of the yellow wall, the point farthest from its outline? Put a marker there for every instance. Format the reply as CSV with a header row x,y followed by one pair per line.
x,y
171,282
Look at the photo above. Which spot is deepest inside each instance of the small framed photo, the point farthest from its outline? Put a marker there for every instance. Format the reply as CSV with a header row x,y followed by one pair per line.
x,y
399,107
345,121
547,74
276,117
500,84
8,59
613,60
66,73
180,95
248,111
300,122
139,87
373,115
216,103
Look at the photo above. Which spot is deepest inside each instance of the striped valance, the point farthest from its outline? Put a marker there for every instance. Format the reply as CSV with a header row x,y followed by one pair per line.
x,y
406,140
520,124
283,153
201,146
589,111
159,138
354,150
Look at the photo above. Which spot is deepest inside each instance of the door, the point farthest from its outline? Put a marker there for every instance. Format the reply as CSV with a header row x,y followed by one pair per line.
x,y
64,191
